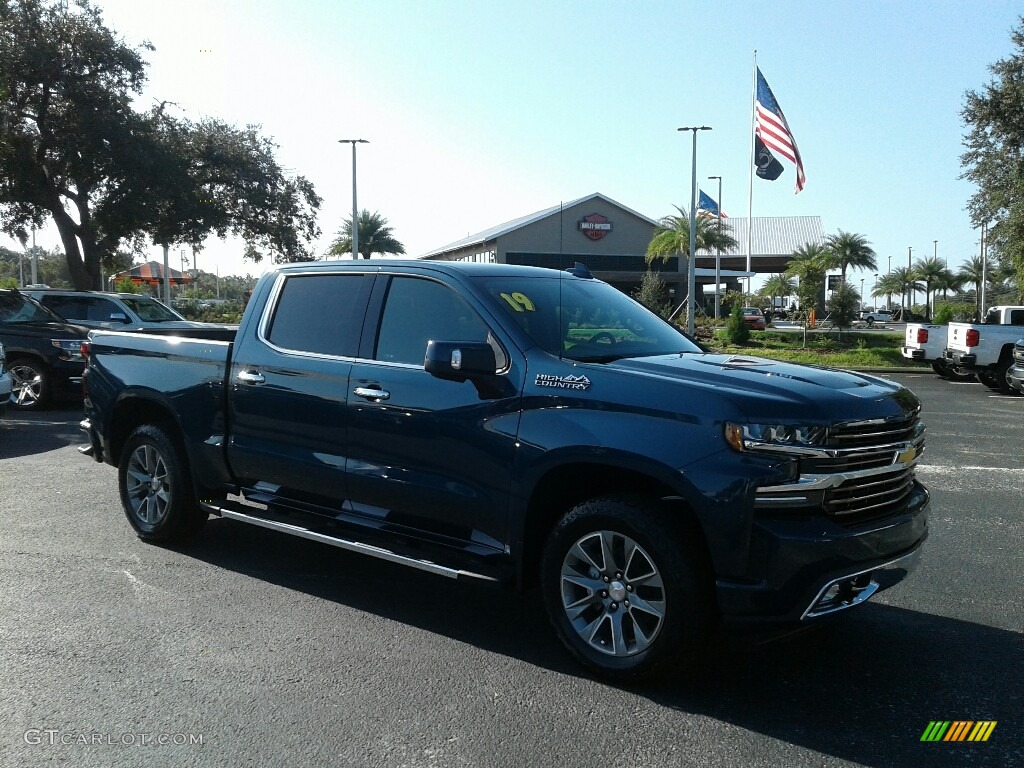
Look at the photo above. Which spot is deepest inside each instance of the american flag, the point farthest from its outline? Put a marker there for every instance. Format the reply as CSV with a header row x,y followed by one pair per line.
x,y
706,206
770,124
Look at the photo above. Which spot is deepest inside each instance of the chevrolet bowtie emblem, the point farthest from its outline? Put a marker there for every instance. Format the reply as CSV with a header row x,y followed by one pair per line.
x,y
907,456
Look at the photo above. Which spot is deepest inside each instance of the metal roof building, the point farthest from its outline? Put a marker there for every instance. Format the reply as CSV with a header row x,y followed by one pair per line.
x,y
611,239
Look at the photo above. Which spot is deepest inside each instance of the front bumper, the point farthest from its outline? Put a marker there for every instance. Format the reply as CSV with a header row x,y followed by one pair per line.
x,y
803,568
1016,377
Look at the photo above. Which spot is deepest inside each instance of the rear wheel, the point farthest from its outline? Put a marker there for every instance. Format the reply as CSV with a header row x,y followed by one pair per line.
x,y
627,593
156,490
30,382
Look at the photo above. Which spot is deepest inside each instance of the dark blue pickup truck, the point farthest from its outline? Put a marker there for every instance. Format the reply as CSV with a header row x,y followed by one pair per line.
x,y
523,426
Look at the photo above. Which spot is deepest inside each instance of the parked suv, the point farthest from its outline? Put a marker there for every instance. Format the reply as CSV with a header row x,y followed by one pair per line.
x,y
112,311
43,353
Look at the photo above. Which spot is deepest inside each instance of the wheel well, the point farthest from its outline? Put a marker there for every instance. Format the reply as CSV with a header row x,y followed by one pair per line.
x,y
132,412
1005,353
33,356
564,487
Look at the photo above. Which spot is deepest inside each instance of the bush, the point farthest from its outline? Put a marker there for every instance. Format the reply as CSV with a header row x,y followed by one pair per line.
x,y
953,312
737,331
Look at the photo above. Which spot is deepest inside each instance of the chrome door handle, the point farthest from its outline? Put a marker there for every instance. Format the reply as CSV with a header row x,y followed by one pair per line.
x,y
371,393
251,377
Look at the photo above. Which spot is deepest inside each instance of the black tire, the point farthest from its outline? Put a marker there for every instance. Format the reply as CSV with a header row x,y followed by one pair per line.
x,y
940,367
156,489
31,383
988,379
870,321
1002,377
644,558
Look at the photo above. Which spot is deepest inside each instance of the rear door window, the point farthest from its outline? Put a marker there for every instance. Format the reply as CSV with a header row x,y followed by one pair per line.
x,y
320,314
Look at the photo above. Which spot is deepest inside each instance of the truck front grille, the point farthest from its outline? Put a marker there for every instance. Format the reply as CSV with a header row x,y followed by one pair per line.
x,y
863,472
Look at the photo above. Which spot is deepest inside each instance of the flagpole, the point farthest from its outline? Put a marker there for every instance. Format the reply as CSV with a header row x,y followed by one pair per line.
x,y
750,169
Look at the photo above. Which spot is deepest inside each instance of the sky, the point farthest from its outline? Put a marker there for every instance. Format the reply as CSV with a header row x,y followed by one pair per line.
x,y
479,112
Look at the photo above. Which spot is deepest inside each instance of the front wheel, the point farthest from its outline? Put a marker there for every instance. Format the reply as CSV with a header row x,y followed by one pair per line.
x,y
988,379
626,591
30,384
156,491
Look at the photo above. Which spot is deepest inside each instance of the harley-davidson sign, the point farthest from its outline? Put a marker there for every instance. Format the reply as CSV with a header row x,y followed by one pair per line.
x,y
595,226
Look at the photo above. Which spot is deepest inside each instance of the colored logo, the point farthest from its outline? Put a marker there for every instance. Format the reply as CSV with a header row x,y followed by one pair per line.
x,y
958,730
595,226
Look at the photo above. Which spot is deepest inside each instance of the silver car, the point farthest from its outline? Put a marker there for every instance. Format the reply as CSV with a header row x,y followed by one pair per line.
x,y
6,383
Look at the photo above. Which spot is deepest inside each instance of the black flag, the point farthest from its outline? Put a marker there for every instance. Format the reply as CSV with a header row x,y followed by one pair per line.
x,y
767,166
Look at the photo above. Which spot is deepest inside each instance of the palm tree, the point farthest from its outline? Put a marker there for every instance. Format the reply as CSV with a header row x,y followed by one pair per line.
x,y
375,236
929,271
908,283
972,273
886,286
846,249
808,265
673,236
778,286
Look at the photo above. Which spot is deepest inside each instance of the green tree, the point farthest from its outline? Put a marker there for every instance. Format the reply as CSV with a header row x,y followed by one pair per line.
x,y
672,236
375,236
994,156
886,286
736,329
74,148
808,265
908,284
778,286
846,249
972,273
652,293
842,306
930,272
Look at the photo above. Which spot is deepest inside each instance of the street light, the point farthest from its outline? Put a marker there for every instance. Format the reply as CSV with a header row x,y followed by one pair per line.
x,y
874,290
691,282
718,254
910,282
862,294
355,208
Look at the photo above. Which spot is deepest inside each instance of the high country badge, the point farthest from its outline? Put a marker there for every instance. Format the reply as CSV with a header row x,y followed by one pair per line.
x,y
562,382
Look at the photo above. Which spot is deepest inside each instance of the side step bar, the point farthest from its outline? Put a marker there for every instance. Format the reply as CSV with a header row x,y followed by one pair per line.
x,y
351,546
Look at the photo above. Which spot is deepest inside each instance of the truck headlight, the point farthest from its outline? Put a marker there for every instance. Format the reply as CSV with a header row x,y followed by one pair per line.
x,y
749,437
70,349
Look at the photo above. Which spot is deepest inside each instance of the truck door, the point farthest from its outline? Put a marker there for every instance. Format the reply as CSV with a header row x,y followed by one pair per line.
x,y
289,386
428,455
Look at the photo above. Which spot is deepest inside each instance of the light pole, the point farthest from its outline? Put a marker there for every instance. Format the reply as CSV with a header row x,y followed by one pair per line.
x,y
355,208
888,296
691,282
862,294
874,290
910,281
718,254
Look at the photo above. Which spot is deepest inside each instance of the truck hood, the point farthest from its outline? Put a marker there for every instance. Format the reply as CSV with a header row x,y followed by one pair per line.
x,y
768,389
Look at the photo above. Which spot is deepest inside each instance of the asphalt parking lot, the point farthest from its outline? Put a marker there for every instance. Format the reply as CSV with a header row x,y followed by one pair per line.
x,y
250,648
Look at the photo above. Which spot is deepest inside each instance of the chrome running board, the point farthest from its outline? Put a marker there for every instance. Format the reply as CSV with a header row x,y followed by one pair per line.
x,y
351,546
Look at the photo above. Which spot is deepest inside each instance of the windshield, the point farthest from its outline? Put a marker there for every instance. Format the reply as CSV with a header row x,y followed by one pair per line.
x,y
585,320
18,308
150,310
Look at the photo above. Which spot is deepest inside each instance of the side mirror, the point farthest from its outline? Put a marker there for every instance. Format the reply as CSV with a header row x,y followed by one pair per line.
x,y
459,360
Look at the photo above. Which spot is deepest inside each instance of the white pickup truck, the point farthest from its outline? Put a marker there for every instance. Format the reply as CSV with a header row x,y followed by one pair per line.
x,y
987,348
927,342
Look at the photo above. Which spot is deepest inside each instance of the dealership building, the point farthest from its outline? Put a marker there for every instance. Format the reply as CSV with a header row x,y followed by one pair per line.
x,y
612,240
